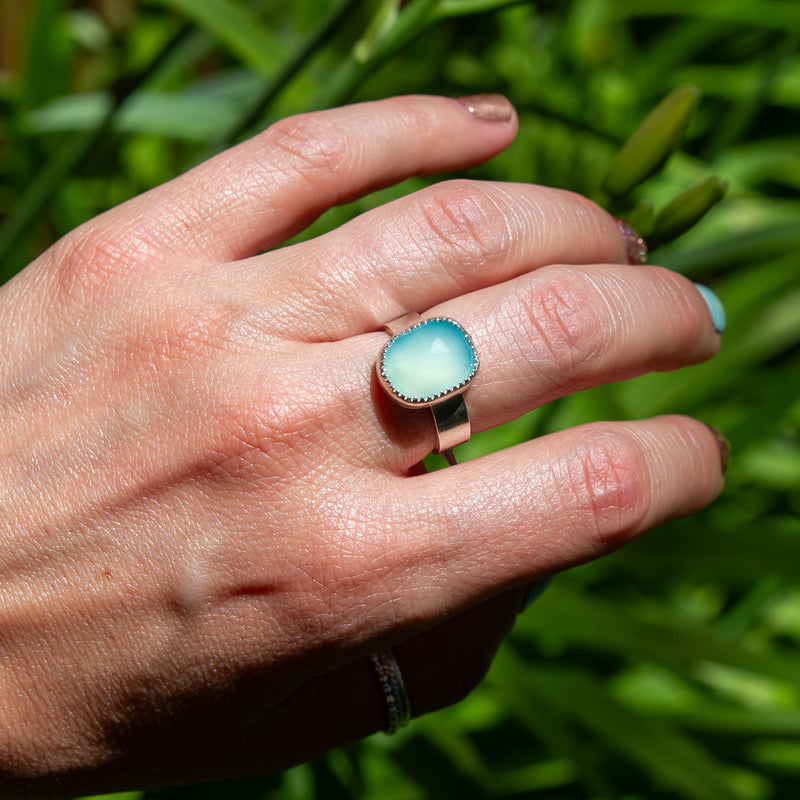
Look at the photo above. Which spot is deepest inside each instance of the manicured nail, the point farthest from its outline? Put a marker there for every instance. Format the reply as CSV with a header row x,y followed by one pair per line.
x,y
714,306
534,591
634,244
724,447
489,107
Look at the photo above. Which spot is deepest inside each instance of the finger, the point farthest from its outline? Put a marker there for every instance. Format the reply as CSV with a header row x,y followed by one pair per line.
x,y
260,192
537,508
421,250
542,336
439,666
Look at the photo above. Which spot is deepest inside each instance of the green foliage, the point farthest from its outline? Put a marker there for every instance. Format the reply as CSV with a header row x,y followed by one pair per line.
x,y
652,143
686,210
670,669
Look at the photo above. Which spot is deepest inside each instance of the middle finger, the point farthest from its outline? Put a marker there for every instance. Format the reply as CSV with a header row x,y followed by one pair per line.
x,y
424,249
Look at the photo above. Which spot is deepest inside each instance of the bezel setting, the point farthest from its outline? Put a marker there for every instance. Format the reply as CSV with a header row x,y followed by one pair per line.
x,y
415,401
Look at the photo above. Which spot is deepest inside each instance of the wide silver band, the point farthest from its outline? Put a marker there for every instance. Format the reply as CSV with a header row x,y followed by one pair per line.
x,y
450,416
393,688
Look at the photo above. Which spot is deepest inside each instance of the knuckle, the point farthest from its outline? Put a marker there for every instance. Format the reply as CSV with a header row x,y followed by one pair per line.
x,y
308,146
569,329
270,406
104,259
464,228
260,434
609,480
90,262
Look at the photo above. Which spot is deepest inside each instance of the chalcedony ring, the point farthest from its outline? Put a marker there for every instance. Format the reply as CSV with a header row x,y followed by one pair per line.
x,y
429,363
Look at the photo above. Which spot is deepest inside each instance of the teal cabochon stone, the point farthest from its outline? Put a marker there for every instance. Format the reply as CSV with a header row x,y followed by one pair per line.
x,y
429,360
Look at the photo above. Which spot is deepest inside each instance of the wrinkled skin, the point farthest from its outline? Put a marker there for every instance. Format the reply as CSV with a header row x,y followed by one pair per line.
x,y
210,512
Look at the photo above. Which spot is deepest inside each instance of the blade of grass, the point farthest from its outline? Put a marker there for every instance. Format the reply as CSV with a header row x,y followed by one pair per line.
x,y
236,26
529,702
650,743
777,15
414,19
258,110
461,8
67,158
428,763
747,106
46,54
569,616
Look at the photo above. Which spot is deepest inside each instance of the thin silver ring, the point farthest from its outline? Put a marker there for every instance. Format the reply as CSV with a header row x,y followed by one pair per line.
x,y
393,688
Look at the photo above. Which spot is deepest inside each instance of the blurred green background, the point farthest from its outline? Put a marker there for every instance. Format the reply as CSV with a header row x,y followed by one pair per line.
x,y
670,669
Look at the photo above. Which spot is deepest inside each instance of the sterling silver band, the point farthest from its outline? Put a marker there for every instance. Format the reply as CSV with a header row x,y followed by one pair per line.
x,y
450,416
393,688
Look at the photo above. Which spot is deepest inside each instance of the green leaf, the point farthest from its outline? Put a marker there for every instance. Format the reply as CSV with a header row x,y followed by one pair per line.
x,y
542,715
378,29
463,8
568,616
237,27
686,210
652,744
652,143
202,111
777,15
642,218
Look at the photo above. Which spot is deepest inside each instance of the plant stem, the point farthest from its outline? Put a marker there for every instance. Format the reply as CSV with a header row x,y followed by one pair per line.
x,y
252,119
413,20
70,155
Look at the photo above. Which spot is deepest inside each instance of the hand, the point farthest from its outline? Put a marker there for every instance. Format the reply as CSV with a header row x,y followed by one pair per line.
x,y
211,512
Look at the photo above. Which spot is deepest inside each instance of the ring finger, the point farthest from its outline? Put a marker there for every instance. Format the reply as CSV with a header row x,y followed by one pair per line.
x,y
542,336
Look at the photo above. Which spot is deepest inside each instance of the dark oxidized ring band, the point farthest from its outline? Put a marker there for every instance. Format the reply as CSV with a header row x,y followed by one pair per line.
x,y
393,688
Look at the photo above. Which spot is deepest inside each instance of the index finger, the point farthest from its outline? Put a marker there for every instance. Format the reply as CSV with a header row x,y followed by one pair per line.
x,y
257,194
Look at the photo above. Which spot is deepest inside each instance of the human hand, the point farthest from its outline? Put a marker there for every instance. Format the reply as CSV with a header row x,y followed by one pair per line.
x,y
211,512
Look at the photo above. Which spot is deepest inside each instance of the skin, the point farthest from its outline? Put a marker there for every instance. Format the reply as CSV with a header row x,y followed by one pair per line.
x,y
210,512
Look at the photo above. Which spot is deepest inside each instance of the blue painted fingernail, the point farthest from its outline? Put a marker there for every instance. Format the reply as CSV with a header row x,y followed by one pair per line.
x,y
534,591
714,306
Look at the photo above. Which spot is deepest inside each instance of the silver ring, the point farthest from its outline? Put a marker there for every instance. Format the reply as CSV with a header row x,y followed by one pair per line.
x,y
429,363
393,689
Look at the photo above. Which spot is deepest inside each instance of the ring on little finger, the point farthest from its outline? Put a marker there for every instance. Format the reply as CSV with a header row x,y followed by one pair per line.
x,y
393,688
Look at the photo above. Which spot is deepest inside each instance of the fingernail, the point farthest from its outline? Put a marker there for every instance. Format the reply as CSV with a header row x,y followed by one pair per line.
x,y
634,244
724,447
489,107
714,306
534,591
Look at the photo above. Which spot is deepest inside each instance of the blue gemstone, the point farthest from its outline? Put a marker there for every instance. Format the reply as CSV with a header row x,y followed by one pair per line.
x,y
429,360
